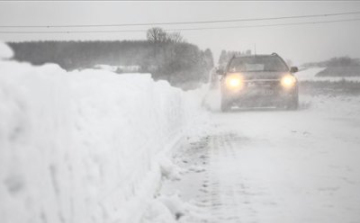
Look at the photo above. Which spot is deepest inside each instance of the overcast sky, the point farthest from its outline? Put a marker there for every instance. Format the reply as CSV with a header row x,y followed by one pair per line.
x,y
299,43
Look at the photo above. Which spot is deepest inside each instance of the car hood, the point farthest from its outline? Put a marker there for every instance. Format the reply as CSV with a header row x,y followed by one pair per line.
x,y
263,75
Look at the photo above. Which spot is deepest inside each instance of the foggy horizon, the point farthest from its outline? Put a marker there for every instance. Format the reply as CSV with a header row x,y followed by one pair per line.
x,y
300,43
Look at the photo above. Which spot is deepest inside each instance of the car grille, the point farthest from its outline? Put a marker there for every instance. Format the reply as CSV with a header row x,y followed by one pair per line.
x,y
262,84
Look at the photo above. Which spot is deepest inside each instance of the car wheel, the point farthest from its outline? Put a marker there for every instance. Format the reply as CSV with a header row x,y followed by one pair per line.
x,y
225,107
293,104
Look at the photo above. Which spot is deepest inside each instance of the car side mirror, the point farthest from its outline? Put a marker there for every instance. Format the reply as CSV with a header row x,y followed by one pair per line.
x,y
294,69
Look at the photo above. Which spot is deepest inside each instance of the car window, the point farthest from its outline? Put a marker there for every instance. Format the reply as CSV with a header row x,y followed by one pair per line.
x,y
256,64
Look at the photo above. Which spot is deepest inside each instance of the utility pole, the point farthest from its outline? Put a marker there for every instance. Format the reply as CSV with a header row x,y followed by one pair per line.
x,y
255,48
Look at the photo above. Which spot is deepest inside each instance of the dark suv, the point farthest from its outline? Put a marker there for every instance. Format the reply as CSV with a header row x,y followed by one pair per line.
x,y
258,81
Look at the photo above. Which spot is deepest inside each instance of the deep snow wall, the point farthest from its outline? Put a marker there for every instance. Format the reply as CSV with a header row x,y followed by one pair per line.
x,y
82,146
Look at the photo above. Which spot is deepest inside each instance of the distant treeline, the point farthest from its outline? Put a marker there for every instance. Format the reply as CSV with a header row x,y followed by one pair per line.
x,y
175,61
330,87
338,67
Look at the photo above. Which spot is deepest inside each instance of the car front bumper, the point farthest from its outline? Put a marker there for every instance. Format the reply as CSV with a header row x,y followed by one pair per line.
x,y
259,95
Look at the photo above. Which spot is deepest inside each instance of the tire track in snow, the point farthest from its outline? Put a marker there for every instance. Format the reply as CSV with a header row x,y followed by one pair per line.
x,y
213,181
230,200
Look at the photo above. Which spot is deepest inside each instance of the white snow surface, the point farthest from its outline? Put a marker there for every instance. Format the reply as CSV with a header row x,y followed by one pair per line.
x,y
271,166
85,146
5,51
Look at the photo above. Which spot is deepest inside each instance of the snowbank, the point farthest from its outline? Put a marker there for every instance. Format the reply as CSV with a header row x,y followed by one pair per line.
x,y
83,146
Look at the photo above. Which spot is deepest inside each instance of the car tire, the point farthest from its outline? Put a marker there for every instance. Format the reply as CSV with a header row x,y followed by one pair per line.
x,y
293,104
225,107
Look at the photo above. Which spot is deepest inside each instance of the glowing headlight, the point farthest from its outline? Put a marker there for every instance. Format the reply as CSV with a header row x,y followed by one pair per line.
x,y
288,81
234,81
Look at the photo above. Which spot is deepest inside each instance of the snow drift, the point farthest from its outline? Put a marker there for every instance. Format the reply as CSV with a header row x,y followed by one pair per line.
x,y
83,146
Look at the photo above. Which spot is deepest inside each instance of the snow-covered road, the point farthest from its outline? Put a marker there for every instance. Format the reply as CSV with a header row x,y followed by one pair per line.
x,y
271,166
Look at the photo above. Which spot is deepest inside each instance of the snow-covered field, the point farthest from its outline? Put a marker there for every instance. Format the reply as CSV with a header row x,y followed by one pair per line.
x,y
84,146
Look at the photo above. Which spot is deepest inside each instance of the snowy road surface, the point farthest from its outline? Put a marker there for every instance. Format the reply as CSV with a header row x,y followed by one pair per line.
x,y
270,166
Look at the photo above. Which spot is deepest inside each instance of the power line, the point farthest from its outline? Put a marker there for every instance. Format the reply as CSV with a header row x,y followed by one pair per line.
x,y
183,23
266,25
185,29
69,32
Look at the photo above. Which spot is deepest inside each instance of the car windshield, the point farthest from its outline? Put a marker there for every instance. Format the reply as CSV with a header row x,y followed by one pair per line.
x,y
257,63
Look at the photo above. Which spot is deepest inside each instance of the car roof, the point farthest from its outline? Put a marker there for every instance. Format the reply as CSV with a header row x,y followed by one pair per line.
x,y
256,55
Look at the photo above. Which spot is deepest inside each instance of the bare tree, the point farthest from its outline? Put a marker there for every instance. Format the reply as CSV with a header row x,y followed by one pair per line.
x,y
176,37
156,35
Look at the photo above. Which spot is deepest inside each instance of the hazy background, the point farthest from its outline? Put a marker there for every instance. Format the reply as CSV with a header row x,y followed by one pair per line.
x,y
298,43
